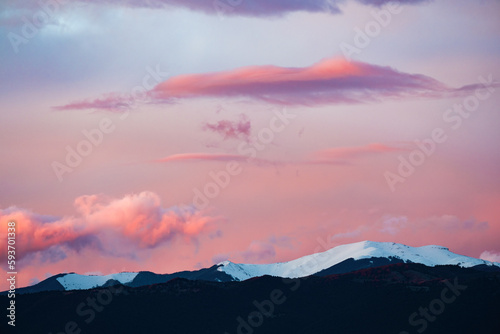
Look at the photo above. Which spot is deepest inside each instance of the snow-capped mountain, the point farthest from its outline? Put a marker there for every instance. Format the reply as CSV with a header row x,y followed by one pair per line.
x,y
83,282
315,263
340,259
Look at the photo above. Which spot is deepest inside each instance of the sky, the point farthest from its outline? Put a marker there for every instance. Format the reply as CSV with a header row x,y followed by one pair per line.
x,y
169,135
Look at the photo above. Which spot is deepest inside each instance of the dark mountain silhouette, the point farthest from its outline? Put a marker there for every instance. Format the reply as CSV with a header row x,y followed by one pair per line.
x,y
397,298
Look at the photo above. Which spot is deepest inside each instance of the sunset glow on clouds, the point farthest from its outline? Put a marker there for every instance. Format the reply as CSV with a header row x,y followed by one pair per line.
x,y
249,108
332,155
137,220
327,82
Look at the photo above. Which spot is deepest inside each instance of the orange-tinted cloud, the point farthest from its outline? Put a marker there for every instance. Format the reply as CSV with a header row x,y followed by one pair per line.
x,y
336,155
202,156
330,81
216,157
136,221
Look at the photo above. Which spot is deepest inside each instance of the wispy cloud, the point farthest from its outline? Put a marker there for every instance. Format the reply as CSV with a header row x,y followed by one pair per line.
x,y
337,154
259,251
239,129
110,102
186,157
330,81
202,156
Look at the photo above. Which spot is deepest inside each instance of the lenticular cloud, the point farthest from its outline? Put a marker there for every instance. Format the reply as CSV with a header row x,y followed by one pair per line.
x,y
330,81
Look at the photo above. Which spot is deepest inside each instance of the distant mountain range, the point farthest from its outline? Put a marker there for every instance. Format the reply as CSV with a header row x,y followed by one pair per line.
x,y
338,260
400,298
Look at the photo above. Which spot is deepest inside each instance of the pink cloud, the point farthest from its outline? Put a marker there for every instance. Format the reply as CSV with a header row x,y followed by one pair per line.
x,y
136,221
110,102
331,81
215,157
336,155
352,152
202,157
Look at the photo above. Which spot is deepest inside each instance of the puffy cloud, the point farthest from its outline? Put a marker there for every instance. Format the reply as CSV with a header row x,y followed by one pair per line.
x,y
36,232
330,81
240,129
136,221
490,256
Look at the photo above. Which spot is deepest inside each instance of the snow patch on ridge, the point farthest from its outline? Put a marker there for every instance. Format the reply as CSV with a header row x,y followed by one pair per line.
x,y
83,282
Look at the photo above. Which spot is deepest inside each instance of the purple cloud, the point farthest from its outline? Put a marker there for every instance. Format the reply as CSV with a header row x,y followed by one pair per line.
x,y
240,129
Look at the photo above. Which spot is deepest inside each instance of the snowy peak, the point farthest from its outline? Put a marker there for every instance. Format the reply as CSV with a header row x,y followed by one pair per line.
x,y
431,255
340,259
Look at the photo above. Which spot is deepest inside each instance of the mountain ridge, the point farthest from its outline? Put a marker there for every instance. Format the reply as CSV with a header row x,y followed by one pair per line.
x,y
429,255
337,260
373,300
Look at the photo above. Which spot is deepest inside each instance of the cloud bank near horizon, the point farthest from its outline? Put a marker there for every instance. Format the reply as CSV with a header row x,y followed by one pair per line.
x,y
117,227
